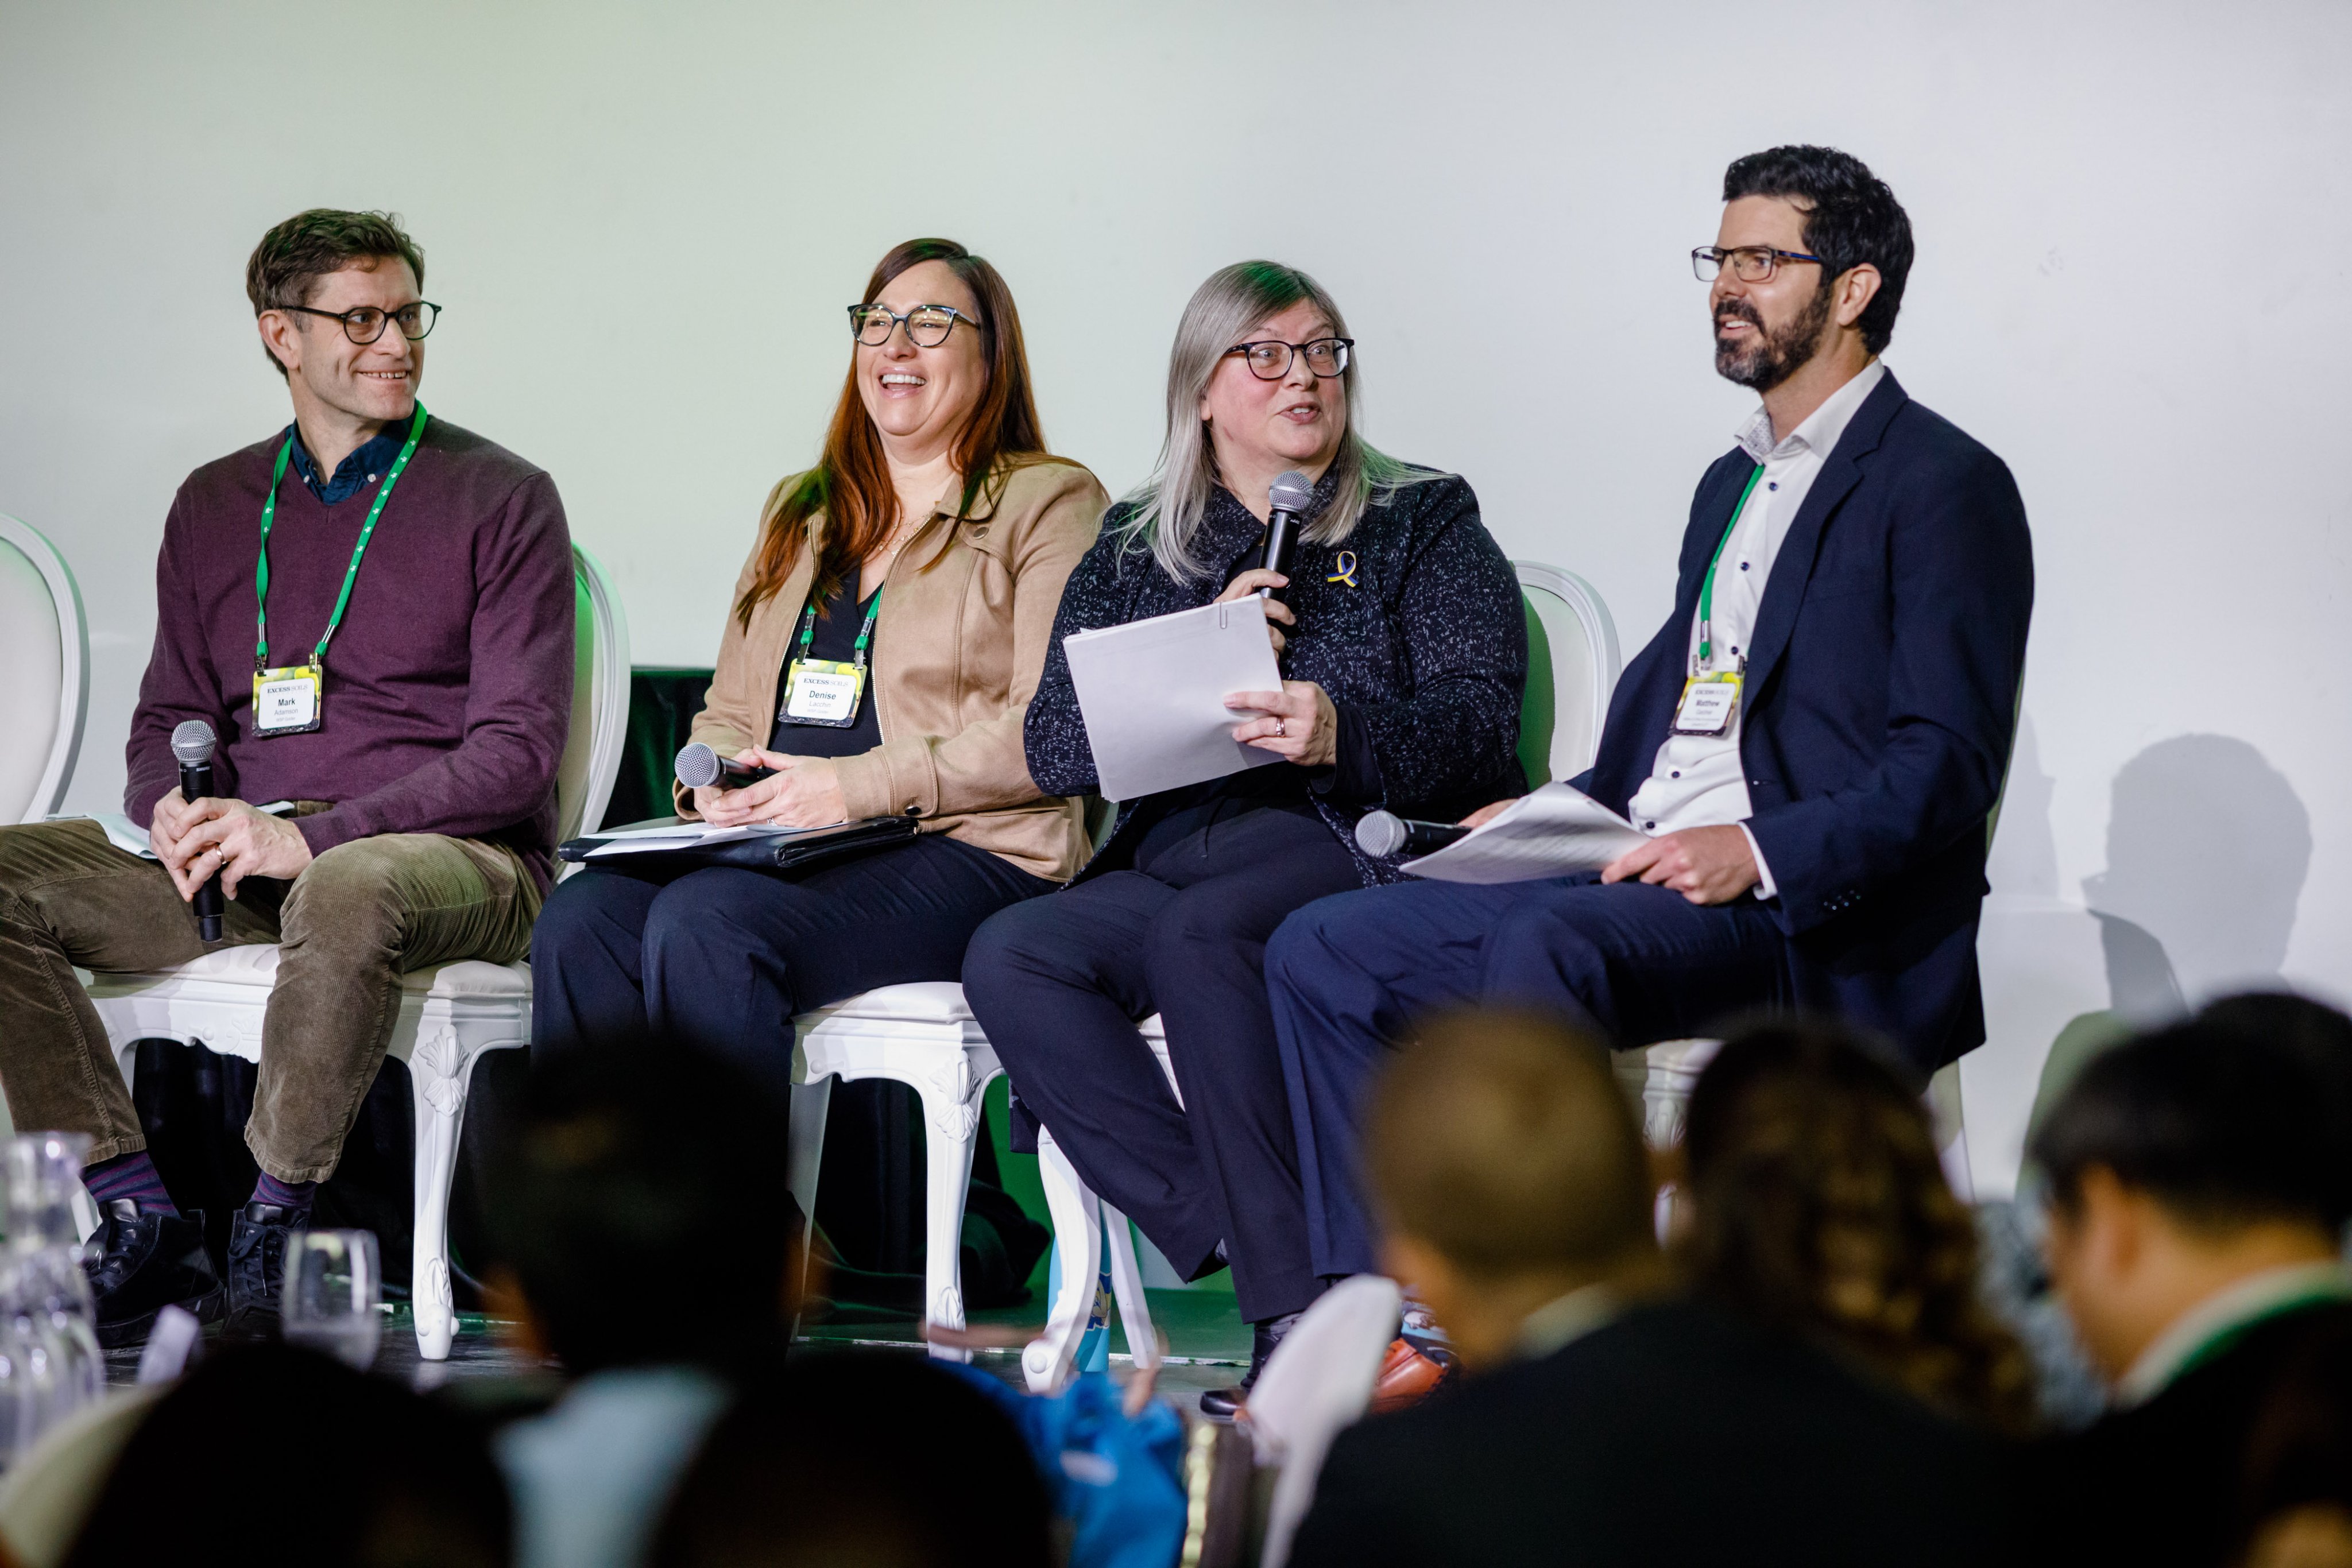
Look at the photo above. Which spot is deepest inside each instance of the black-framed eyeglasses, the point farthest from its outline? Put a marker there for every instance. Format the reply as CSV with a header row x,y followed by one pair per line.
x,y
365,324
1750,263
1270,361
927,326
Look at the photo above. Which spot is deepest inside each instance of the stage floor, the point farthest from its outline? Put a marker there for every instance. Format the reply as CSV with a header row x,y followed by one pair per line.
x,y
1207,1346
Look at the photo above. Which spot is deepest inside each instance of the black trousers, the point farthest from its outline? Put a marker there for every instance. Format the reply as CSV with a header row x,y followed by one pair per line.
x,y
1060,983
723,957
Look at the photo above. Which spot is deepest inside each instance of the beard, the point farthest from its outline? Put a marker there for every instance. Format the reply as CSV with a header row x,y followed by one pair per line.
x,y
1772,357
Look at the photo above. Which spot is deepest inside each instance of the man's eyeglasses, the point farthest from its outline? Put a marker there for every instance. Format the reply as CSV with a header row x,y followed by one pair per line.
x,y
1270,361
365,325
1750,263
927,326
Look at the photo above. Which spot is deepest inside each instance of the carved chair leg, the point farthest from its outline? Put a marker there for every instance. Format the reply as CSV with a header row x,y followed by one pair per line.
x,y
440,1070
952,1120
1046,1363
1126,1286
803,1159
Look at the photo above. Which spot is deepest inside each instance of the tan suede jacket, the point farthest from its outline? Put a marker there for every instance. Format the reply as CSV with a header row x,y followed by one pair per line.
x,y
967,613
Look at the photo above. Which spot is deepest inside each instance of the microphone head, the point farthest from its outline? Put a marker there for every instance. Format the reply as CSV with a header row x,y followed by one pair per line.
x,y
1290,492
697,766
192,741
1380,834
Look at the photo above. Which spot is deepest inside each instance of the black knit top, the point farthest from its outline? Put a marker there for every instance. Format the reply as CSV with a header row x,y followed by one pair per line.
x,y
1413,626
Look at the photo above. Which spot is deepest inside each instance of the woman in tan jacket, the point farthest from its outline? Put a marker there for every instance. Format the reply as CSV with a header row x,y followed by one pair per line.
x,y
885,635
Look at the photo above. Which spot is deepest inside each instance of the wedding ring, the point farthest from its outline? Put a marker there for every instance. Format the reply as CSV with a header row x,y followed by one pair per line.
x,y
1278,728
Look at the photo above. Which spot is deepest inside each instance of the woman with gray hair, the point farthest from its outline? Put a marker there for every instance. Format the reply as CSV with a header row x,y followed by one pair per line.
x,y
1403,650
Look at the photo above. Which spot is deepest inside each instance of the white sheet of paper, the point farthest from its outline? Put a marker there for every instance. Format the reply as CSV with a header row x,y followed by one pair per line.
x,y
1554,831
1153,696
685,835
126,835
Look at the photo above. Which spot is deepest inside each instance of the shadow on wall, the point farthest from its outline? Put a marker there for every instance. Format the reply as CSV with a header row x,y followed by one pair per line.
x,y
2207,847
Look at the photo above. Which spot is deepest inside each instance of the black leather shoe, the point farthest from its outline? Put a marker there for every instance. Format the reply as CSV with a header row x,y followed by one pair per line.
x,y
1224,1403
257,1268
142,1261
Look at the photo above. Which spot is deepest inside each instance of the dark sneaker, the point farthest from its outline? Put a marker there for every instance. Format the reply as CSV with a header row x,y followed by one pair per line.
x,y
141,1263
1224,1403
257,1268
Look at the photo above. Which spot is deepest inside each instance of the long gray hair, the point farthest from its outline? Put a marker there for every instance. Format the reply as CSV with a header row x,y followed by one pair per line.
x,y
1169,505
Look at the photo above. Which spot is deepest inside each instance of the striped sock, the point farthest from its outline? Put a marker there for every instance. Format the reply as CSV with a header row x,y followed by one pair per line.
x,y
131,1176
294,1197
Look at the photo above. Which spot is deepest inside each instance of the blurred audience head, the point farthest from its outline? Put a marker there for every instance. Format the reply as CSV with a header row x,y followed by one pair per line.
x,y
1818,1203
639,1210
383,1478
2190,1159
1507,1171
813,1470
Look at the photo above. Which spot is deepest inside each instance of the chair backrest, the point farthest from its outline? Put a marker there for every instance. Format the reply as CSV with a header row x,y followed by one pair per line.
x,y
45,690
1572,669
600,700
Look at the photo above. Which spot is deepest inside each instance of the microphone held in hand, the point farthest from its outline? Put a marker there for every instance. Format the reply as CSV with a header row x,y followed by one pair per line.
x,y
1383,834
698,766
1287,500
192,744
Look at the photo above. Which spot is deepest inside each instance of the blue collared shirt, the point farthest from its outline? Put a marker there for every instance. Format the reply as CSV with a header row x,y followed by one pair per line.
x,y
371,460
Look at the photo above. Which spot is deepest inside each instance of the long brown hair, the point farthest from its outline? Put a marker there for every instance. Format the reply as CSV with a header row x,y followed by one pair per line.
x,y
1819,1204
851,482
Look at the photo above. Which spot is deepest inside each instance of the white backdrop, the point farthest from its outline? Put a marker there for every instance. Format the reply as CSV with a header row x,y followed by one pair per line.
x,y
644,221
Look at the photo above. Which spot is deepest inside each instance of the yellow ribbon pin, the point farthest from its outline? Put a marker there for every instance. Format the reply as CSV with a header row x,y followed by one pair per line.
x,y
1347,572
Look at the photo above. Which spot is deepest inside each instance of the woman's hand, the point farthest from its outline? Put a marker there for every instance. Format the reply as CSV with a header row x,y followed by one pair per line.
x,y
1485,814
1300,723
804,792
1249,582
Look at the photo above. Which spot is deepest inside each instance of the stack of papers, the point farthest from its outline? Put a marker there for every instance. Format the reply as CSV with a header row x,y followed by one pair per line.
x,y
1153,696
686,835
1554,831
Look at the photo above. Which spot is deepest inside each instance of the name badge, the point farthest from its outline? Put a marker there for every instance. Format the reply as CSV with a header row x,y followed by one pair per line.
x,y
286,701
1710,702
823,691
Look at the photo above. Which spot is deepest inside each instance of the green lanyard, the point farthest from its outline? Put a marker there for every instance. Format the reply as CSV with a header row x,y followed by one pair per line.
x,y
1706,589
269,517
865,632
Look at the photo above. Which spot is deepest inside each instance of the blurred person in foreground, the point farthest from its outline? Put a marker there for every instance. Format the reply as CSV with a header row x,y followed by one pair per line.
x,y
2199,1180
399,711
815,1470
647,1246
1818,1203
1606,1421
409,1482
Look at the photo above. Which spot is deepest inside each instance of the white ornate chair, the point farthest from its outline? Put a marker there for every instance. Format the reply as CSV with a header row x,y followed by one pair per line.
x,y
450,1014
44,649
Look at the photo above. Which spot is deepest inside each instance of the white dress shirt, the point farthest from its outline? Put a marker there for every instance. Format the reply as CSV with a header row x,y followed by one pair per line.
x,y
1698,780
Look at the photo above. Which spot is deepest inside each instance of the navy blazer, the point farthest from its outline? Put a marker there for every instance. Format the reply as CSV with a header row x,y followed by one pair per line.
x,y
1882,691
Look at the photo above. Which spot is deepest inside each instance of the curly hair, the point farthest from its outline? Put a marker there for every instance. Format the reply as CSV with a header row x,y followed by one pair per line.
x,y
1852,219
1819,1204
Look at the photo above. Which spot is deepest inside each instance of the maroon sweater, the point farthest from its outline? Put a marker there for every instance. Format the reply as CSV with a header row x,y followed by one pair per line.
x,y
449,688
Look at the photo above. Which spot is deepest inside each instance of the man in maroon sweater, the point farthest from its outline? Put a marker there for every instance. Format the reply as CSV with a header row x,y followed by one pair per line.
x,y
372,610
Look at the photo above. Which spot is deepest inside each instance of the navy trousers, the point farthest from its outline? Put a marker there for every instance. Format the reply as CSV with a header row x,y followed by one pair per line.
x,y
723,957
1060,983
1630,963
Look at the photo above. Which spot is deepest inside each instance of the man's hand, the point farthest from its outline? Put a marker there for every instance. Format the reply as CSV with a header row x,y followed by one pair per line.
x,y
1248,583
1706,865
805,792
1300,724
195,839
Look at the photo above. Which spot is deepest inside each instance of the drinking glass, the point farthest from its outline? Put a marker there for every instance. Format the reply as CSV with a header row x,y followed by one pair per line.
x,y
332,1287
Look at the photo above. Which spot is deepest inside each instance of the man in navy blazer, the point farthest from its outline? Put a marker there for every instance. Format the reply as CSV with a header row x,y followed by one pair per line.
x,y
1816,738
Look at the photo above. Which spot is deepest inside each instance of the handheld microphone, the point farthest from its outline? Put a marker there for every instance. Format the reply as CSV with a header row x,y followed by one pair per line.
x,y
1382,834
698,766
1287,500
191,744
